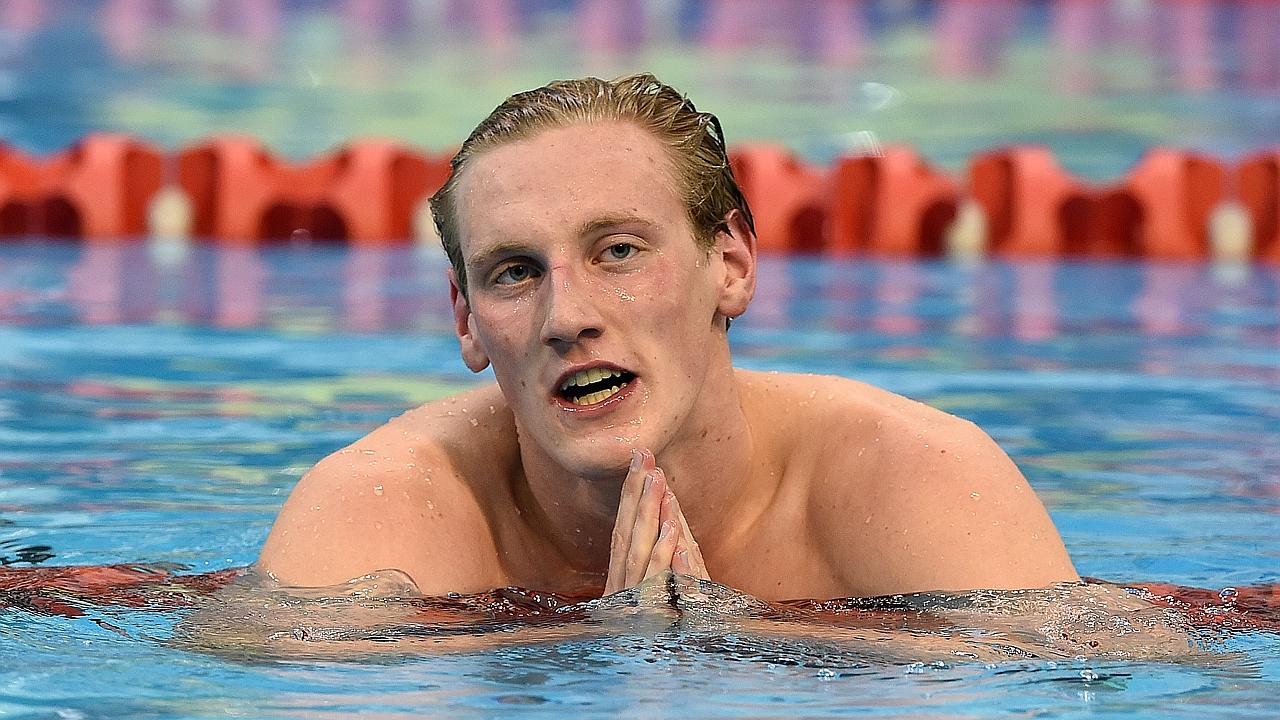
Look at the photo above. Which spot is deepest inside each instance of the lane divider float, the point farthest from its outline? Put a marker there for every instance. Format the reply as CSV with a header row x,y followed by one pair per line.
x,y
1014,201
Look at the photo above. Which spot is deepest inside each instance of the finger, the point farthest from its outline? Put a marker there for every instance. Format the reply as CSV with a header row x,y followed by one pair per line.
x,y
665,547
687,561
688,557
644,533
680,560
642,463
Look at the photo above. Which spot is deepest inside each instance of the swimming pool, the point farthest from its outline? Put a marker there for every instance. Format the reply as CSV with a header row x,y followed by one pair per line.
x,y
157,404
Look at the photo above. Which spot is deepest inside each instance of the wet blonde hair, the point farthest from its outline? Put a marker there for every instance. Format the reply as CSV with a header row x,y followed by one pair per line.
x,y
694,139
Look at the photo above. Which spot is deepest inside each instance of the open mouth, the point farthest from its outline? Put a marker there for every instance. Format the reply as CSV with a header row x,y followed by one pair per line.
x,y
594,385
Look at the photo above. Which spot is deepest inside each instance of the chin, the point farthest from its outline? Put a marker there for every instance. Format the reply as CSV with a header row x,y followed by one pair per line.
x,y
604,459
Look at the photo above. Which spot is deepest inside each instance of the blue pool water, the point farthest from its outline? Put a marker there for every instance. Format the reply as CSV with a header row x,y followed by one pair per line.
x,y
1096,82
157,404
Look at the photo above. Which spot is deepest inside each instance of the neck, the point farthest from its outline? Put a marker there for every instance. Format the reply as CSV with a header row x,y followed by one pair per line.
x,y
709,463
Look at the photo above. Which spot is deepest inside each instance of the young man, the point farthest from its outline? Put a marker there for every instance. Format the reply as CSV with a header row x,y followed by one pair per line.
x,y
599,247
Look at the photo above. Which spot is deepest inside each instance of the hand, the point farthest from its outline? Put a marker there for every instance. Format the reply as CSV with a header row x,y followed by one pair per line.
x,y
650,534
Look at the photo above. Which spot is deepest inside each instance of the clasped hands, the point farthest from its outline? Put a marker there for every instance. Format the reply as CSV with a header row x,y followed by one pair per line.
x,y
650,534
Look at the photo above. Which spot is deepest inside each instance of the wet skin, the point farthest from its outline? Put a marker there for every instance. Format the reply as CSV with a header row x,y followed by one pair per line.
x,y
580,262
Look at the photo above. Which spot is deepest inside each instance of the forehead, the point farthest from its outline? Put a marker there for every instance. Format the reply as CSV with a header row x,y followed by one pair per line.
x,y
564,176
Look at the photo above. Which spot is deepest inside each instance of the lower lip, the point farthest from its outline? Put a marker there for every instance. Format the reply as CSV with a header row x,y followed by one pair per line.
x,y
602,407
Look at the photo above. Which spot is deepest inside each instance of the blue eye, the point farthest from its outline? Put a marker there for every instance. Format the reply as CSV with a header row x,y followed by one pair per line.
x,y
620,251
515,274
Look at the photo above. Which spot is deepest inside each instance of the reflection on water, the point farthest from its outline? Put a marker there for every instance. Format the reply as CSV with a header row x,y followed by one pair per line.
x,y
240,614
405,289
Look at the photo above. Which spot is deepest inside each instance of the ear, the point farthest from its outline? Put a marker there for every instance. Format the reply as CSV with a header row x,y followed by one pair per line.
x,y
736,246
473,353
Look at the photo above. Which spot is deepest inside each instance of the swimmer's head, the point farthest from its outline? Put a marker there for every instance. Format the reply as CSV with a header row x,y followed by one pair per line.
x,y
694,139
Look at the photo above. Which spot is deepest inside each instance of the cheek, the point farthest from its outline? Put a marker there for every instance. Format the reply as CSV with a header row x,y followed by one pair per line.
x,y
678,296
503,331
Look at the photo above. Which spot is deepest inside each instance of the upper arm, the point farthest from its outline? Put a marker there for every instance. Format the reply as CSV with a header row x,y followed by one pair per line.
x,y
941,507
988,527
372,507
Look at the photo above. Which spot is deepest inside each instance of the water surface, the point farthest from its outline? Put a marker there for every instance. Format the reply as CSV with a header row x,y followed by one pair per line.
x,y
157,406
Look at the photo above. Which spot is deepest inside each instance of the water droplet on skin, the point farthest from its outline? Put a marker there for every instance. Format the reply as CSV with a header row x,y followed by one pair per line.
x,y
431,505
475,422
974,495
377,490
377,526
366,452
492,410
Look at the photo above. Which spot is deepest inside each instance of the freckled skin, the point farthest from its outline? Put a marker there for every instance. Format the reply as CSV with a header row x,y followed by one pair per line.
x,y
578,251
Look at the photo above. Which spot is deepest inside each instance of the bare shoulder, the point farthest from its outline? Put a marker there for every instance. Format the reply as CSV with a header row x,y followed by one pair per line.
x,y
412,496
817,418
904,497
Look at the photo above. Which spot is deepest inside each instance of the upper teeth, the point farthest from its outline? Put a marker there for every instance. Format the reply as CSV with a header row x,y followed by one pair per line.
x,y
586,377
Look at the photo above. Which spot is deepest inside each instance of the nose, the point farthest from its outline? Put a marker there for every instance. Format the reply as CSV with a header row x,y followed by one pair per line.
x,y
571,314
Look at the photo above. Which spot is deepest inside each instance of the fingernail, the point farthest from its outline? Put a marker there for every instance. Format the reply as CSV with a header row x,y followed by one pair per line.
x,y
667,527
636,458
648,481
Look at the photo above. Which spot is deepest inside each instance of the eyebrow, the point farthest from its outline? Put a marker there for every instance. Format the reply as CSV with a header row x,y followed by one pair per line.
x,y
610,221
487,255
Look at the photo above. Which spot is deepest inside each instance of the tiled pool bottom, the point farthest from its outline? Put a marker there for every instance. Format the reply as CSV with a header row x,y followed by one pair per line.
x,y
157,407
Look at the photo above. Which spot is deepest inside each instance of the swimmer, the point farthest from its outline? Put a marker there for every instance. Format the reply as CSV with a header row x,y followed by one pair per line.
x,y
600,247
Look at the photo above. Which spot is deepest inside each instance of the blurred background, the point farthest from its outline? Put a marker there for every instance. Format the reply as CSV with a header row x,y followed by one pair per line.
x,y
1097,81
